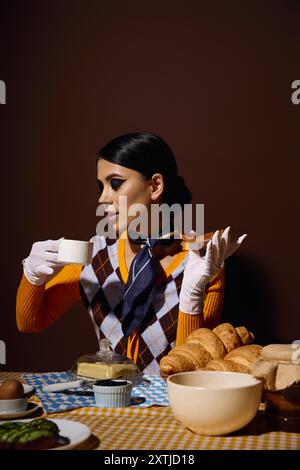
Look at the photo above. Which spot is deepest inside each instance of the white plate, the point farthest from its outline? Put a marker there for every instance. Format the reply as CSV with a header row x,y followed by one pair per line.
x,y
76,432
31,408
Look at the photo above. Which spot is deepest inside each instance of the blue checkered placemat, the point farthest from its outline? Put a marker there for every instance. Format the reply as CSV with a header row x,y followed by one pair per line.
x,y
142,396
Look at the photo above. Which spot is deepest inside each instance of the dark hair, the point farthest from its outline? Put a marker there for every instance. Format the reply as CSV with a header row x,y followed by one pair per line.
x,y
148,154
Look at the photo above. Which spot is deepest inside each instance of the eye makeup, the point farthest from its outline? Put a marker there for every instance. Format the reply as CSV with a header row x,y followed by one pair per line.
x,y
116,183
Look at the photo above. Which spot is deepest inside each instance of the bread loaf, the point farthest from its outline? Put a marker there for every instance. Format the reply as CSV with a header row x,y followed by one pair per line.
x,y
204,346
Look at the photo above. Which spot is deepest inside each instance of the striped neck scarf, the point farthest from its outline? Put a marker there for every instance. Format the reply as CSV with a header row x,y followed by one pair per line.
x,y
140,287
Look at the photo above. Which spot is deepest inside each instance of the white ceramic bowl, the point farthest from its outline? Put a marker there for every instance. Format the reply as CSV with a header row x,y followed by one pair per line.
x,y
13,405
113,396
214,403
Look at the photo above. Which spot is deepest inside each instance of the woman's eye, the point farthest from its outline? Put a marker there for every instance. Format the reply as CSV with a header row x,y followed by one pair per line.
x,y
116,183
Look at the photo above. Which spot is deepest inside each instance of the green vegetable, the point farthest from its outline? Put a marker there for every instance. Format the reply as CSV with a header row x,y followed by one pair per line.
x,y
18,435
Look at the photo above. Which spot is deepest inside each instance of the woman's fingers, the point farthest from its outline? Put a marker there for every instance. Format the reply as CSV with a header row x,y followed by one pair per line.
x,y
43,269
52,257
211,256
235,245
241,239
223,247
225,241
208,253
217,248
53,245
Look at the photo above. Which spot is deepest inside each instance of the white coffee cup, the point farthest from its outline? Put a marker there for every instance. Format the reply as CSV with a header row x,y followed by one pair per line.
x,y
75,252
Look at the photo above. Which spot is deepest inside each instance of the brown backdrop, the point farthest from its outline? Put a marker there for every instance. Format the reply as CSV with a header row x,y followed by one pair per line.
x,y
215,82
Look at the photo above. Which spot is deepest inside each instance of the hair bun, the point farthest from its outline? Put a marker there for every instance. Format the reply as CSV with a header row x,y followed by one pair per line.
x,y
179,192
180,179
147,154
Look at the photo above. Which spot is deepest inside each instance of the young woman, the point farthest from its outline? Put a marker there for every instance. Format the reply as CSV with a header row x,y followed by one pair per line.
x,y
144,295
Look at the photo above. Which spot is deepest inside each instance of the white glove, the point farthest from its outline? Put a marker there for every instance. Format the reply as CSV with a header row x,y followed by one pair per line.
x,y
41,265
200,270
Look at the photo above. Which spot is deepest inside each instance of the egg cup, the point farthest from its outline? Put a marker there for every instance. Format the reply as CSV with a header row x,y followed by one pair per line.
x,y
13,405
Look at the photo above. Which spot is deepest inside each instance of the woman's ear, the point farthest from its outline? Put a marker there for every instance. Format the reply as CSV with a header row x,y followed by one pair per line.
x,y
157,187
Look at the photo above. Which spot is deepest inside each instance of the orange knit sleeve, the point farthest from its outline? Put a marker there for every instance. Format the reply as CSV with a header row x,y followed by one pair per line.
x,y
214,300
37,307
186,324
211,315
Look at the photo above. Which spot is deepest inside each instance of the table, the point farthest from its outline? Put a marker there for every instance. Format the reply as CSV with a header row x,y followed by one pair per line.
x,y
155,428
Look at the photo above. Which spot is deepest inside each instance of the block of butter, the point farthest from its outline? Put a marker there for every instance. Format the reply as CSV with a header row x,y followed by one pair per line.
x,y
100,370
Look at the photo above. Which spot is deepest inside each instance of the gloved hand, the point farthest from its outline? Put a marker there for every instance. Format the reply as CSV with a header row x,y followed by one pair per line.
x,y
200,270
41,264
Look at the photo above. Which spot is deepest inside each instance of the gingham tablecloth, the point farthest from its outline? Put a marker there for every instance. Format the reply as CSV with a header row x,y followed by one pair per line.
x,y
156,428
154,393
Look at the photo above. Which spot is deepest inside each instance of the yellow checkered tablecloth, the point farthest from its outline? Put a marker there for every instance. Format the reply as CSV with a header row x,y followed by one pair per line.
x,y
155,428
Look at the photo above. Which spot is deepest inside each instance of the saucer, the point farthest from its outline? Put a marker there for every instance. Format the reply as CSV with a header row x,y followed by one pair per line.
x,y
31,408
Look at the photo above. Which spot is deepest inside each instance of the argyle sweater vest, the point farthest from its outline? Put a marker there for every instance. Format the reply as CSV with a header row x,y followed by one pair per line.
x,y
102,290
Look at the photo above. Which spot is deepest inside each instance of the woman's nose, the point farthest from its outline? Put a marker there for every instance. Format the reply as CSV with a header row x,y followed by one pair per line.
x,y
105,197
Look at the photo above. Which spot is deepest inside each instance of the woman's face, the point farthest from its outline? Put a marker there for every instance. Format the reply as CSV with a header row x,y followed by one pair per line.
x,y
115,181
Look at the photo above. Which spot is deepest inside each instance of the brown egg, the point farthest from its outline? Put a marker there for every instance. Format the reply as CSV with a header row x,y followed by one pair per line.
x,y
11,389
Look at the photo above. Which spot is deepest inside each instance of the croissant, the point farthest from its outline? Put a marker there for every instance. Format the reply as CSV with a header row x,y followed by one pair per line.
x,y
240,359
226,366
204,346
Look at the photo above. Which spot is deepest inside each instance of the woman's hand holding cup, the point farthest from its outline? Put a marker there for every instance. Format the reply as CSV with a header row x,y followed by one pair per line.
x,y
47,258
42,263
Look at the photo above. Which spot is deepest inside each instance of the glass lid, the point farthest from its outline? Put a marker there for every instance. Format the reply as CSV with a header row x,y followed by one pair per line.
x,y
107,364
